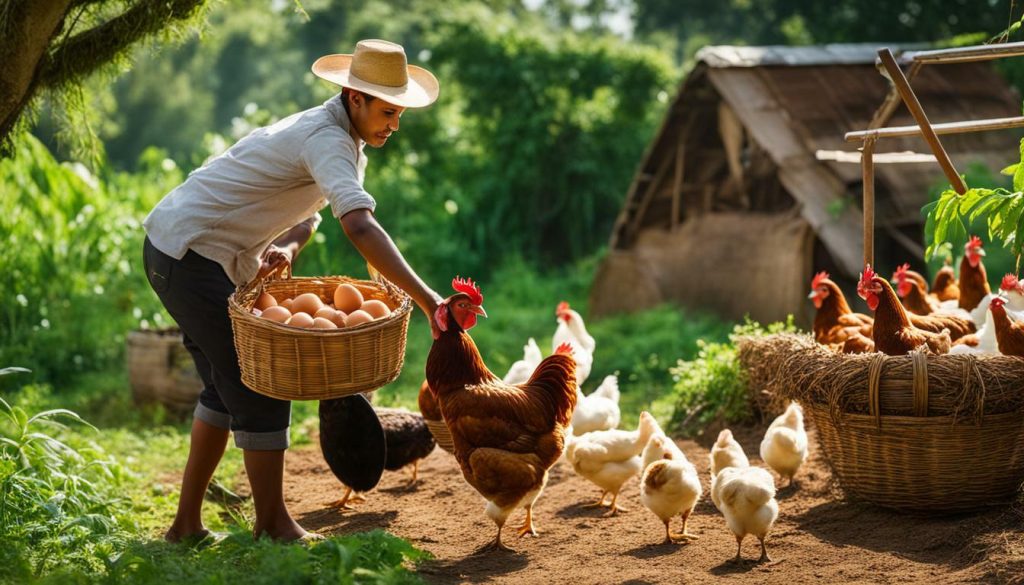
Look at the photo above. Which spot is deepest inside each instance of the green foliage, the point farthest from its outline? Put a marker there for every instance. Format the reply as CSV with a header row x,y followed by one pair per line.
x,y
73,280
713,387
59,503
951,217
372,558
72,513
799,22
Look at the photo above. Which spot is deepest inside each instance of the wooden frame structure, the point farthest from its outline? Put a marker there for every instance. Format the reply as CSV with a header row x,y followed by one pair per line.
x,y
901,91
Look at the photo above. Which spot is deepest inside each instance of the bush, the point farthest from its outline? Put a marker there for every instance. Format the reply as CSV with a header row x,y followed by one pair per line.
x,y
72,281
713,388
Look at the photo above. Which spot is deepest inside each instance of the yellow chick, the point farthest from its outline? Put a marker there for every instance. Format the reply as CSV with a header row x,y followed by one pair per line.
x,y
784,447
609,458
670,484
746,497
726,452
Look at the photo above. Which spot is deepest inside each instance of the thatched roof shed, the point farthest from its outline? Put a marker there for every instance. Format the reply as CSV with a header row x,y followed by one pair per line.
x,y
739,198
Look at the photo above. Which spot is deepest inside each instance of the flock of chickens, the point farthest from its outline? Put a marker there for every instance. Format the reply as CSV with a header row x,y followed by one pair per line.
x,y
506,433
957,315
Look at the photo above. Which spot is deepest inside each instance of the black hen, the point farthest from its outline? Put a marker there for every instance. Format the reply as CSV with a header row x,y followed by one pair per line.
x,y
408,439
359,443
353,444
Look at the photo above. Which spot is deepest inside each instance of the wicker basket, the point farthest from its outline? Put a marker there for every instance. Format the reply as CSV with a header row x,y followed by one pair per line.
x,y
442,435
318,364
919,432
161,370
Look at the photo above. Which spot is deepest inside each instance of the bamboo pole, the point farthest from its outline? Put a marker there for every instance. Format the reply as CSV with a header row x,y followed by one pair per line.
x,y
944,128
868,176
896,75
966,54
892,100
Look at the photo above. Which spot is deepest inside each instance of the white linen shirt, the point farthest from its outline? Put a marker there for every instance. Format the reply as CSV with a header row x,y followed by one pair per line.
x,y
231,208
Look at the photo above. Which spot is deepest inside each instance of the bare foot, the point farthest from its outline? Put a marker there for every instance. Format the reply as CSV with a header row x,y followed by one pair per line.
x,y
175,534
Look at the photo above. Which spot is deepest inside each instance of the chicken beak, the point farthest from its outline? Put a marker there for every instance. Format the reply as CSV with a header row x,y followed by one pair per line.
x,y
979,251
478,310
813,294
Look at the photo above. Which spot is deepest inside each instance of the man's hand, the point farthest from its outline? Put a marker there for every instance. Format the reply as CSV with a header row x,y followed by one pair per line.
x,y
273,258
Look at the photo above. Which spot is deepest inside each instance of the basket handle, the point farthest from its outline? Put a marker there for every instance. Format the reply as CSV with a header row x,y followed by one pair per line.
x,y
379,278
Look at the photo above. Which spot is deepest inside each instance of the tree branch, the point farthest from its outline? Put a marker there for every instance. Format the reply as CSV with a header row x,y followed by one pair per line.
x,y
89,50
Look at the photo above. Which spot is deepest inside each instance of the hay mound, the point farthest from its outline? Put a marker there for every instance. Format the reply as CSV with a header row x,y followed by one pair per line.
x,y
794,366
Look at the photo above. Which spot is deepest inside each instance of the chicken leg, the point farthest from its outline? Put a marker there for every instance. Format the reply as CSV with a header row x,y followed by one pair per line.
x,y
764,553
686,535
739,543
599,503
527,527
494,545
415,472
343,503
613,508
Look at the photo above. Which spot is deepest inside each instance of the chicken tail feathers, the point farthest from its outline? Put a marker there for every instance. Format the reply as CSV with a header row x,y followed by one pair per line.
x,y
556,377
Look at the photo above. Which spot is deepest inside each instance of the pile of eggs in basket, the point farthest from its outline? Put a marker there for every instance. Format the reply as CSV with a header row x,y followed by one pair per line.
x,y
309,311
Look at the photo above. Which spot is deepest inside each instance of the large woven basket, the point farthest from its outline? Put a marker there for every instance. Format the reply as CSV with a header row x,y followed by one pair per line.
x,y
922,433
161,370
318,364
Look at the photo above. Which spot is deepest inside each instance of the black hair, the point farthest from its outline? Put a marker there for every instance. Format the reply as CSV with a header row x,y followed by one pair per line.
x,y
345,91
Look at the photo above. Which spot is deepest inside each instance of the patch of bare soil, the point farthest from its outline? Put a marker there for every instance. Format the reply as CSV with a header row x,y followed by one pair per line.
x,y
819,537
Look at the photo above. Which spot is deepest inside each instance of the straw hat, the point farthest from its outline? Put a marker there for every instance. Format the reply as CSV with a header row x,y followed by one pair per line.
x,y
379,68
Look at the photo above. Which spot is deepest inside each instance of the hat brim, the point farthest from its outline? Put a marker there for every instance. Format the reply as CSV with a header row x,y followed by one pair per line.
x,y
420,91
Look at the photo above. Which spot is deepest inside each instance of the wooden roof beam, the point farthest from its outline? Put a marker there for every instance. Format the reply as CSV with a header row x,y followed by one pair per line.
x,y
965,54
947,128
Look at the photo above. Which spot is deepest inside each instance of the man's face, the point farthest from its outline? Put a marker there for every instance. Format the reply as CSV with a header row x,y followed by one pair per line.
x,y
374,120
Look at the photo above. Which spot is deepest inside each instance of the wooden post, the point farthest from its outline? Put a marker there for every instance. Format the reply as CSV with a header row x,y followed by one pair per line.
x,y
868,176
902,86
677,185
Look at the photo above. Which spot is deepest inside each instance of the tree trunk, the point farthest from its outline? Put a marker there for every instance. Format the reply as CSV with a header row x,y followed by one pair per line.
x,y
28,31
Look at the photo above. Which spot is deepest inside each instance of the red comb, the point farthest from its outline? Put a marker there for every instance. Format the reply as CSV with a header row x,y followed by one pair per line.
x,y
562,306
975,242
868,274
998,301
901,272
1010,282
818,278
564,349
465,285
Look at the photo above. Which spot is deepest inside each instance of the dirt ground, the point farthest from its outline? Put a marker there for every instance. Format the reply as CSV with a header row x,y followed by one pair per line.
x,y
819,537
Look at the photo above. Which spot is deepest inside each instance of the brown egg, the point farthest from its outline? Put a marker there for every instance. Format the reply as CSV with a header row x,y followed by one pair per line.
x,y
300,320
357,317
287,303
376,309
339,318
347,298
322,323
307,303
277,313
325,312
266,300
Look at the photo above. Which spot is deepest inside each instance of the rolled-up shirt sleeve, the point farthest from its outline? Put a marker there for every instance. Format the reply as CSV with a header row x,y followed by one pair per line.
x,y
330,157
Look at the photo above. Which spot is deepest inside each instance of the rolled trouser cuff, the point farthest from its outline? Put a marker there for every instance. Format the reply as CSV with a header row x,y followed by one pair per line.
x,y
271,441
221,420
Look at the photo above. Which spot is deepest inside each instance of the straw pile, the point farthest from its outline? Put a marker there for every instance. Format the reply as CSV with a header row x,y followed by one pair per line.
x,y
793,366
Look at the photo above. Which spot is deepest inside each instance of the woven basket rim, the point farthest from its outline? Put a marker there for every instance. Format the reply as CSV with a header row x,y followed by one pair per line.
x,y
240,312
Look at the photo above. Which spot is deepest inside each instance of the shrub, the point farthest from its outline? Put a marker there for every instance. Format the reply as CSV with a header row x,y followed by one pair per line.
x,y
713,388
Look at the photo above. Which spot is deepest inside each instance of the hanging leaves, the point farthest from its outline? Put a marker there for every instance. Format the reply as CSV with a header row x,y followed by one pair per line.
x,y
949,216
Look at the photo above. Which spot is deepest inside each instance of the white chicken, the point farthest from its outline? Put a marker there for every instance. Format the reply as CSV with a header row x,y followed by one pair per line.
x,y
609,458
598,411
784,447
726,452
670,484
571,329
746,497
521,370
